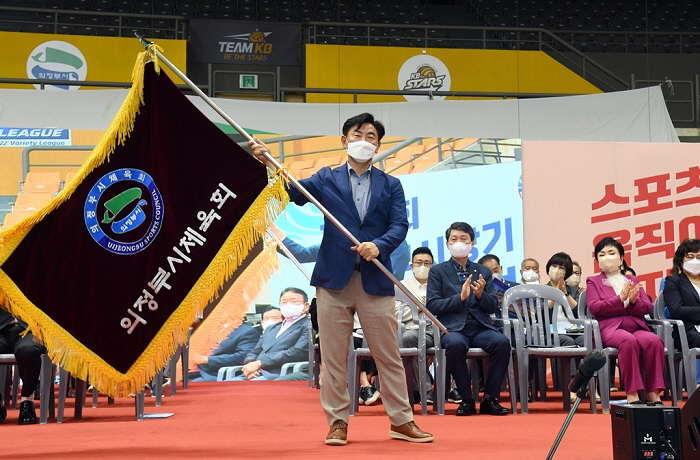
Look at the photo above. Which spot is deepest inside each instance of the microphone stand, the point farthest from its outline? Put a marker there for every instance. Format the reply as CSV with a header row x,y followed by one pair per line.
x,y
580,394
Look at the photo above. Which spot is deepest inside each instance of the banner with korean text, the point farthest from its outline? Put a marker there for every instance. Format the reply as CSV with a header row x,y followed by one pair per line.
x,y
645,195
112,273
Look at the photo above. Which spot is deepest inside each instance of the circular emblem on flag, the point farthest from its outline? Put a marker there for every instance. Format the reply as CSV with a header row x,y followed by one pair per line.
x,y
124,211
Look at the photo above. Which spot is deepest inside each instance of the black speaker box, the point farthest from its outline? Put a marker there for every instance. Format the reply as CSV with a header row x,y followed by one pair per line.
x,y
646,432
691,427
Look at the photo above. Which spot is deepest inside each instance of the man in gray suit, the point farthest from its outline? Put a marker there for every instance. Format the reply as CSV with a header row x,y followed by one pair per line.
x,y
283,342
28,354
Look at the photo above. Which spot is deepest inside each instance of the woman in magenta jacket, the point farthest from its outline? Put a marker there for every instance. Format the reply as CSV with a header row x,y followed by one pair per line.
x,y
619,303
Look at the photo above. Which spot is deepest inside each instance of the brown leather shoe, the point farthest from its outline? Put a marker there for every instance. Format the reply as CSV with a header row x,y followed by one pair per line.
x,y
410,432
338,434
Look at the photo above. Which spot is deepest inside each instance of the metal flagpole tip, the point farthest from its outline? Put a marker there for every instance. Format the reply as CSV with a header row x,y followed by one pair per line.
x,y
143,41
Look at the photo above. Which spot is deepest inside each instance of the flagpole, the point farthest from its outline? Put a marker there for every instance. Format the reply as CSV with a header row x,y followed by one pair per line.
x,y
289,178
289,254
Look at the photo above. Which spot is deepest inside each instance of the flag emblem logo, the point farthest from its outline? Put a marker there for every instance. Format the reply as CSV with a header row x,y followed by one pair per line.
x,y
124,211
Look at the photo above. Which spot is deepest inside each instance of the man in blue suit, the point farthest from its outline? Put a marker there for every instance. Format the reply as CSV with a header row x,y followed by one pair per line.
x,y
281,343
230,352
371,206
461,296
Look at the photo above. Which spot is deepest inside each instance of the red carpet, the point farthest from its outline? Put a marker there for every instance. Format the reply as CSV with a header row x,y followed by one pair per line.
x,y
285,420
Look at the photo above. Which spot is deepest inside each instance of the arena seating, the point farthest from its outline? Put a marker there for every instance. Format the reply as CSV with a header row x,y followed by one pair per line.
x,y
653,26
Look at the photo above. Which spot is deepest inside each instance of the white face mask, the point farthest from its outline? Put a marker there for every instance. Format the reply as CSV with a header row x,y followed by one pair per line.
x,y
459,250
555,274
573,280
361,150
498,276
609,263
290,310
692,266
421,272
531,276
267,323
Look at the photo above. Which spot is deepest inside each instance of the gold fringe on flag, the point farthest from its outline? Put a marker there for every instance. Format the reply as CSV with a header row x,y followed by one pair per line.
x,y
65,349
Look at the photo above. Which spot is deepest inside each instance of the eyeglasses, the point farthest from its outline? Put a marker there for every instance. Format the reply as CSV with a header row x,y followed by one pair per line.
x,y
286,302
691,256
422,264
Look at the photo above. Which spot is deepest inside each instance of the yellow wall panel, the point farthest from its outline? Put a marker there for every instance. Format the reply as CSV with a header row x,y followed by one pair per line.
x,y
103,58
374,67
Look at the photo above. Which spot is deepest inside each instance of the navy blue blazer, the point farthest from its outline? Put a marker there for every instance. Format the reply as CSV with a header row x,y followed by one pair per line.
x,y
230,352
682,301
444,296
385,224
272,351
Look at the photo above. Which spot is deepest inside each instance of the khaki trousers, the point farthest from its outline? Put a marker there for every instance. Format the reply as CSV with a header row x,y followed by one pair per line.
x,y
378,318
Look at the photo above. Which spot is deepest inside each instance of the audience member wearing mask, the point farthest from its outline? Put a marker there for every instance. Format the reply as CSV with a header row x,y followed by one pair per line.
x,y
574,281
619,303
530,271
682,293
461,295
493,263
559,268
283,342
232,350
272,315
421,262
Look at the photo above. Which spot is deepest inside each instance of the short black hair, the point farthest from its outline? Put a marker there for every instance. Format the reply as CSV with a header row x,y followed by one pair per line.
x,y
422,250
573,262
563,259
361,119
270,308
487,257
608,241
296,291
463,226
627,268
690,245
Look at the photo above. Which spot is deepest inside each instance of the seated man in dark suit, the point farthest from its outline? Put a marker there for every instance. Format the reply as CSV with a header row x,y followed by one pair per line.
x,y
230,352
283,342
493,263
28,354
460,294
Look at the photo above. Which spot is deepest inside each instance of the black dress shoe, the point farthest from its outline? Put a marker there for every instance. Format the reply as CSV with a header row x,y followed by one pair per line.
x,y
3,413
27,415
467,407
491,407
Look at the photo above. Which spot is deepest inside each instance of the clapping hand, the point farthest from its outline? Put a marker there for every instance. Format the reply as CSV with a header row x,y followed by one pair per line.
x,y
561,285
466,289
478,286
625,292
634,292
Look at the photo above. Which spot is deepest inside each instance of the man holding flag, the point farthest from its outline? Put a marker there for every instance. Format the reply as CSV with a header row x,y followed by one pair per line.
x,y
370,204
